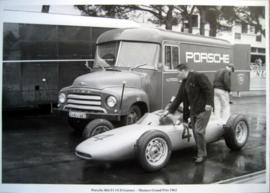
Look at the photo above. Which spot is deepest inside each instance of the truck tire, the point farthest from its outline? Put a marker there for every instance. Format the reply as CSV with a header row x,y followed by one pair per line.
x,y
77,124
236,132
134,114
153,150
96,127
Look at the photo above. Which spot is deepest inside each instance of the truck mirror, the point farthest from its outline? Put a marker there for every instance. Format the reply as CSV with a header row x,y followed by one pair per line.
x,y
87,65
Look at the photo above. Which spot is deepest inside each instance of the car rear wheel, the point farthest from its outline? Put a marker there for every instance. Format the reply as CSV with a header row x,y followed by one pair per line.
x,y
153,150
96,127
236,132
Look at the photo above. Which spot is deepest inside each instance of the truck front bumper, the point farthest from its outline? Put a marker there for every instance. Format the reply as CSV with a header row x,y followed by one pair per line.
x,y
90,116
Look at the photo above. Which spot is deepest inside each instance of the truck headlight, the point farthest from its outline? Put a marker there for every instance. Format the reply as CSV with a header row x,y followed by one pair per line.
x,y
111,101
62,98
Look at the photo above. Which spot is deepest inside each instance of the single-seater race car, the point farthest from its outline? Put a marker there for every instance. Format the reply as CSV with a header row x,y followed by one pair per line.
x,y
151,142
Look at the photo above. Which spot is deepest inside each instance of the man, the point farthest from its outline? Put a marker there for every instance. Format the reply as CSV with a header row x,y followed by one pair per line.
x,y
196,93
222,89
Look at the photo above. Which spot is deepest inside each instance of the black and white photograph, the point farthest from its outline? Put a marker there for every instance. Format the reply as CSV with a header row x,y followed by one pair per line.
x,y
141,97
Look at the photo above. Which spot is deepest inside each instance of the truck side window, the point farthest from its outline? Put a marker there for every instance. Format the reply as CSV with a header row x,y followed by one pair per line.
x,y
171,57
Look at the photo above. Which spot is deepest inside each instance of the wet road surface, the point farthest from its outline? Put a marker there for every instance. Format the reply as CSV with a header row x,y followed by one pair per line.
x,y
38,148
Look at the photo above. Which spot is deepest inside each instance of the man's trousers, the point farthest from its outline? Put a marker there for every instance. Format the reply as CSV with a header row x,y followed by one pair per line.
x,y
222,103
199,123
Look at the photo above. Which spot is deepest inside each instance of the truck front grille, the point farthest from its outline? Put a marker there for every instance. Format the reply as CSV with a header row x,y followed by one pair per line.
x,y
83,102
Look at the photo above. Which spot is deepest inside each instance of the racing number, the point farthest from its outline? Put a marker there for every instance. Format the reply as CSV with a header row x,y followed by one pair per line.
x,y
101,137
186,133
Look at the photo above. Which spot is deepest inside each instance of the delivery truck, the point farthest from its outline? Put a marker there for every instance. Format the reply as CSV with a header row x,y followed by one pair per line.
x,y
135,71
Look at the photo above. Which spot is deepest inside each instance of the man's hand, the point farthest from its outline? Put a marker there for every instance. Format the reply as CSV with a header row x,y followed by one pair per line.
x,y
165,113
208,107
178,122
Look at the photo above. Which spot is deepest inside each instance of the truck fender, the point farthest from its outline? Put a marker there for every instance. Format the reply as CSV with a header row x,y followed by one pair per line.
x,y
134,97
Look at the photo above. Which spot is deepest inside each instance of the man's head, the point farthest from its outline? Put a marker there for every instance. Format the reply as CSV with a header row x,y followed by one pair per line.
x,y
230,67
183,70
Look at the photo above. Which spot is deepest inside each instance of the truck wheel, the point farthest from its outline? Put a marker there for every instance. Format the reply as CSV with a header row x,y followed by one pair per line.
x,y
96,127
153,150
236,132
133,115
77,124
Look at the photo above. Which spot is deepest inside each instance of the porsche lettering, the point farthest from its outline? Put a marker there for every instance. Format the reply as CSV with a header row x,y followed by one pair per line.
x,y
199,57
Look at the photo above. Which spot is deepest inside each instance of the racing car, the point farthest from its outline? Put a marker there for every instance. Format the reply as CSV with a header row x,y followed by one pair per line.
x,y
151,142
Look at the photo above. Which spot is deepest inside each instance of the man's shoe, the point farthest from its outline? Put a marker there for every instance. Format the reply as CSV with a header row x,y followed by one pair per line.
x,y
231,102
199,160
198,157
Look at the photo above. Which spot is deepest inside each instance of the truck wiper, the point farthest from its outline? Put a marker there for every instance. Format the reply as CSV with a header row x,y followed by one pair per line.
x,y
138,66
109,69
112,69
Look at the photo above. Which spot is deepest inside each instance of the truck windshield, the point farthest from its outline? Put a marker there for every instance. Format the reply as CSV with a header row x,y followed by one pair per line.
x,y
131,54
106,54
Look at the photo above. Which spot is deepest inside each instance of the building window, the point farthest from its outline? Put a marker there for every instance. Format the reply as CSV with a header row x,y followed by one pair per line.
x,y
237,36
261,50
252,29
257,28
253,49
226,28
258,38
45,9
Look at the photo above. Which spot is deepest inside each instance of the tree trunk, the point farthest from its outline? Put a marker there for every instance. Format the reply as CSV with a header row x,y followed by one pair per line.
x,y
169,18
202,19
168,25
213,29
190,25
202,27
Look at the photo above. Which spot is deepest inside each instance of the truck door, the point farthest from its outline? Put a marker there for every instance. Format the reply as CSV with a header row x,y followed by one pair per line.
x,y
170,81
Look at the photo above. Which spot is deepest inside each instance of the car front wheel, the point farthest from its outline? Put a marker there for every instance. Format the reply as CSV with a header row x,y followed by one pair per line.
x,y
153,150
96,127
77,124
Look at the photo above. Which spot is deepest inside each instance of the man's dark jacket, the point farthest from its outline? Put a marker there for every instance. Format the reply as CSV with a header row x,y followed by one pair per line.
x,y
222,80
195,92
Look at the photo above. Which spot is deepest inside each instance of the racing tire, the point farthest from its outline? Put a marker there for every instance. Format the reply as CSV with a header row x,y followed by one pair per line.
x,y
134,114
77,124
236,132
96,127
153,150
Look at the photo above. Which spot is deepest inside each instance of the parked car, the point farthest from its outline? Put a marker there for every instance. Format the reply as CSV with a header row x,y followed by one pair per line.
x,y
152,143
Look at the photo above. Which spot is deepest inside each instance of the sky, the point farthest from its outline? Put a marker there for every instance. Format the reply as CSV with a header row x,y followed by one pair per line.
x,y
59,9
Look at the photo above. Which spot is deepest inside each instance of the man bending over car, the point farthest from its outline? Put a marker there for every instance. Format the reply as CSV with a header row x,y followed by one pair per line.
x,y
196,93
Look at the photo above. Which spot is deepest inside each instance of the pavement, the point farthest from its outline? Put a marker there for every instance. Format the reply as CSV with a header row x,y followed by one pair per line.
x,y
250,93
38,149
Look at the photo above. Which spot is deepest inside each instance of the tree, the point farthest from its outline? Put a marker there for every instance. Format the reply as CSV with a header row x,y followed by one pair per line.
x,y
186,15
113,11
252,16
219,18
162,14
